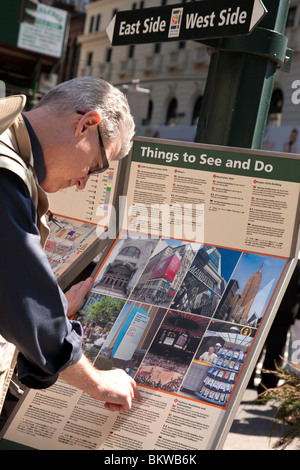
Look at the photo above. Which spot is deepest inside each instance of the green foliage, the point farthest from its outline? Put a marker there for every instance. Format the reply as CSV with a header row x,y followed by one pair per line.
x,y
102,363
288,397
105,311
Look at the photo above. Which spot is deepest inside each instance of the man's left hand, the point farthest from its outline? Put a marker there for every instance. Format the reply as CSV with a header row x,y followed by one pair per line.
x,y
76,296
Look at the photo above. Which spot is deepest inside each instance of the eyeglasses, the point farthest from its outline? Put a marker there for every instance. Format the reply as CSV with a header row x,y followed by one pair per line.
x,y
105,162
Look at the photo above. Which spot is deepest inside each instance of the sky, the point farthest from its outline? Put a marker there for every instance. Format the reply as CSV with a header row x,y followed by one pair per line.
x,y
271,271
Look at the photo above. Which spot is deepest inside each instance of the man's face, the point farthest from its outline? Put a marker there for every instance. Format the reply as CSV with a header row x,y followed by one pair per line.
x,y
72,161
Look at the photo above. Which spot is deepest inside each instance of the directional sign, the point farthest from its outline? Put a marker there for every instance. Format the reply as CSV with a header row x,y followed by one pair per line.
x,y
197,20
47,34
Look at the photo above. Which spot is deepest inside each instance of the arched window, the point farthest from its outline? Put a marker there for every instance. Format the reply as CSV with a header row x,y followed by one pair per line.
x,y
147,121
276,105
131,252
172,112
196,110
276,102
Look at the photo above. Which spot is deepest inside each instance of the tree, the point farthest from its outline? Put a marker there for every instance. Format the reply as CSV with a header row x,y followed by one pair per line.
x,y
105,312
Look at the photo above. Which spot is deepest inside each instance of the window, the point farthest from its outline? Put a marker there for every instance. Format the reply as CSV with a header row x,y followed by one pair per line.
x,y
89,58
149,114
108,55
98,19
131,52
131,252
172,112
276,102
91,24
196,110
157,48
94,23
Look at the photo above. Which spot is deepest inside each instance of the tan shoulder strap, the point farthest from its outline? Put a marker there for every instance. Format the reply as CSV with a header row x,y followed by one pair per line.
x,y
16,150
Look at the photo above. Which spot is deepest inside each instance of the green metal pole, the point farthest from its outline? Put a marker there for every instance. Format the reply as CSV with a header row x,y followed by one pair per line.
x,y
240,82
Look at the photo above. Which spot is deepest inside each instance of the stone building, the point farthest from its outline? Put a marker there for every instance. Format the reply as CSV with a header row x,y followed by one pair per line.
x,y
174,73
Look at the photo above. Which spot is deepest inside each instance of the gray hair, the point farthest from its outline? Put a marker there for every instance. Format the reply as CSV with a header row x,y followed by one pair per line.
x,y
94,94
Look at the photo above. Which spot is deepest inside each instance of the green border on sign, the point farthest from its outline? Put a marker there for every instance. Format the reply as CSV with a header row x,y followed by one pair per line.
x,y
244,162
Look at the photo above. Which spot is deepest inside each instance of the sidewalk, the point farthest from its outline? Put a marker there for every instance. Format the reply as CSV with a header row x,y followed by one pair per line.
x,y
251,428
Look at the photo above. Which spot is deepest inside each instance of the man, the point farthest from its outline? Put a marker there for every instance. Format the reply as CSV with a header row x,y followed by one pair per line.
x,y
209,356
76,129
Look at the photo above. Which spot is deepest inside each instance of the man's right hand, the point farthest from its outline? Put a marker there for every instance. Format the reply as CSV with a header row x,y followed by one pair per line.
x,y
117,389
114,387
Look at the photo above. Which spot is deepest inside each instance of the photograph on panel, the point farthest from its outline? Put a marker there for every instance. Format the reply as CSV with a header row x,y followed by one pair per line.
x,y
130,337
250,289
218,362
125,263
206,280
172,351
164,272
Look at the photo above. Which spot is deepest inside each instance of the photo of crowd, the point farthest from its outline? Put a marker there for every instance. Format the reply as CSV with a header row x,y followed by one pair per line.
x,y
172,350
157,372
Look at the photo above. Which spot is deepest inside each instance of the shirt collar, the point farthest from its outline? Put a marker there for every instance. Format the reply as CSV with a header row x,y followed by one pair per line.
x,y
37,151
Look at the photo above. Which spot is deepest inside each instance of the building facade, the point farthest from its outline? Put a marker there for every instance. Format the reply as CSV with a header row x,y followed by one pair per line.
x,y
286,103
174,73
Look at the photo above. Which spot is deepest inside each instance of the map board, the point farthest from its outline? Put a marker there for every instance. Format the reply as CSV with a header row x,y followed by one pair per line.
x,y
193,281
79,221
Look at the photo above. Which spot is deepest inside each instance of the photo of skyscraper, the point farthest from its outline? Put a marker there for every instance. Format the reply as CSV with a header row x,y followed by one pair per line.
x,y
250,289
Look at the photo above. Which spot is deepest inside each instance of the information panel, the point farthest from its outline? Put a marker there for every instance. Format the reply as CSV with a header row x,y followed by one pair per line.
x,y
183,301
78,221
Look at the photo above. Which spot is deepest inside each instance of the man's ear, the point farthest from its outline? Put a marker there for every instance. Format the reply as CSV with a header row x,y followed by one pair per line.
x,y
86,122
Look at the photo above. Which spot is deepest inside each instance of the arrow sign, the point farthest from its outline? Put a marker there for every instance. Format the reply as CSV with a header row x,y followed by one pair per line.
x,y
192,21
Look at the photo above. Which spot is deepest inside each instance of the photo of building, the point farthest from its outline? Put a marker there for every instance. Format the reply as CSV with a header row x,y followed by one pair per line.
x,y
126,262
130,336
163,274
205,281
249,290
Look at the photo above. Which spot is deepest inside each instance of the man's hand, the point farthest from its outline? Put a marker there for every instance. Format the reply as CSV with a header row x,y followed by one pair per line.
x,y
114,387
76,296
117,390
